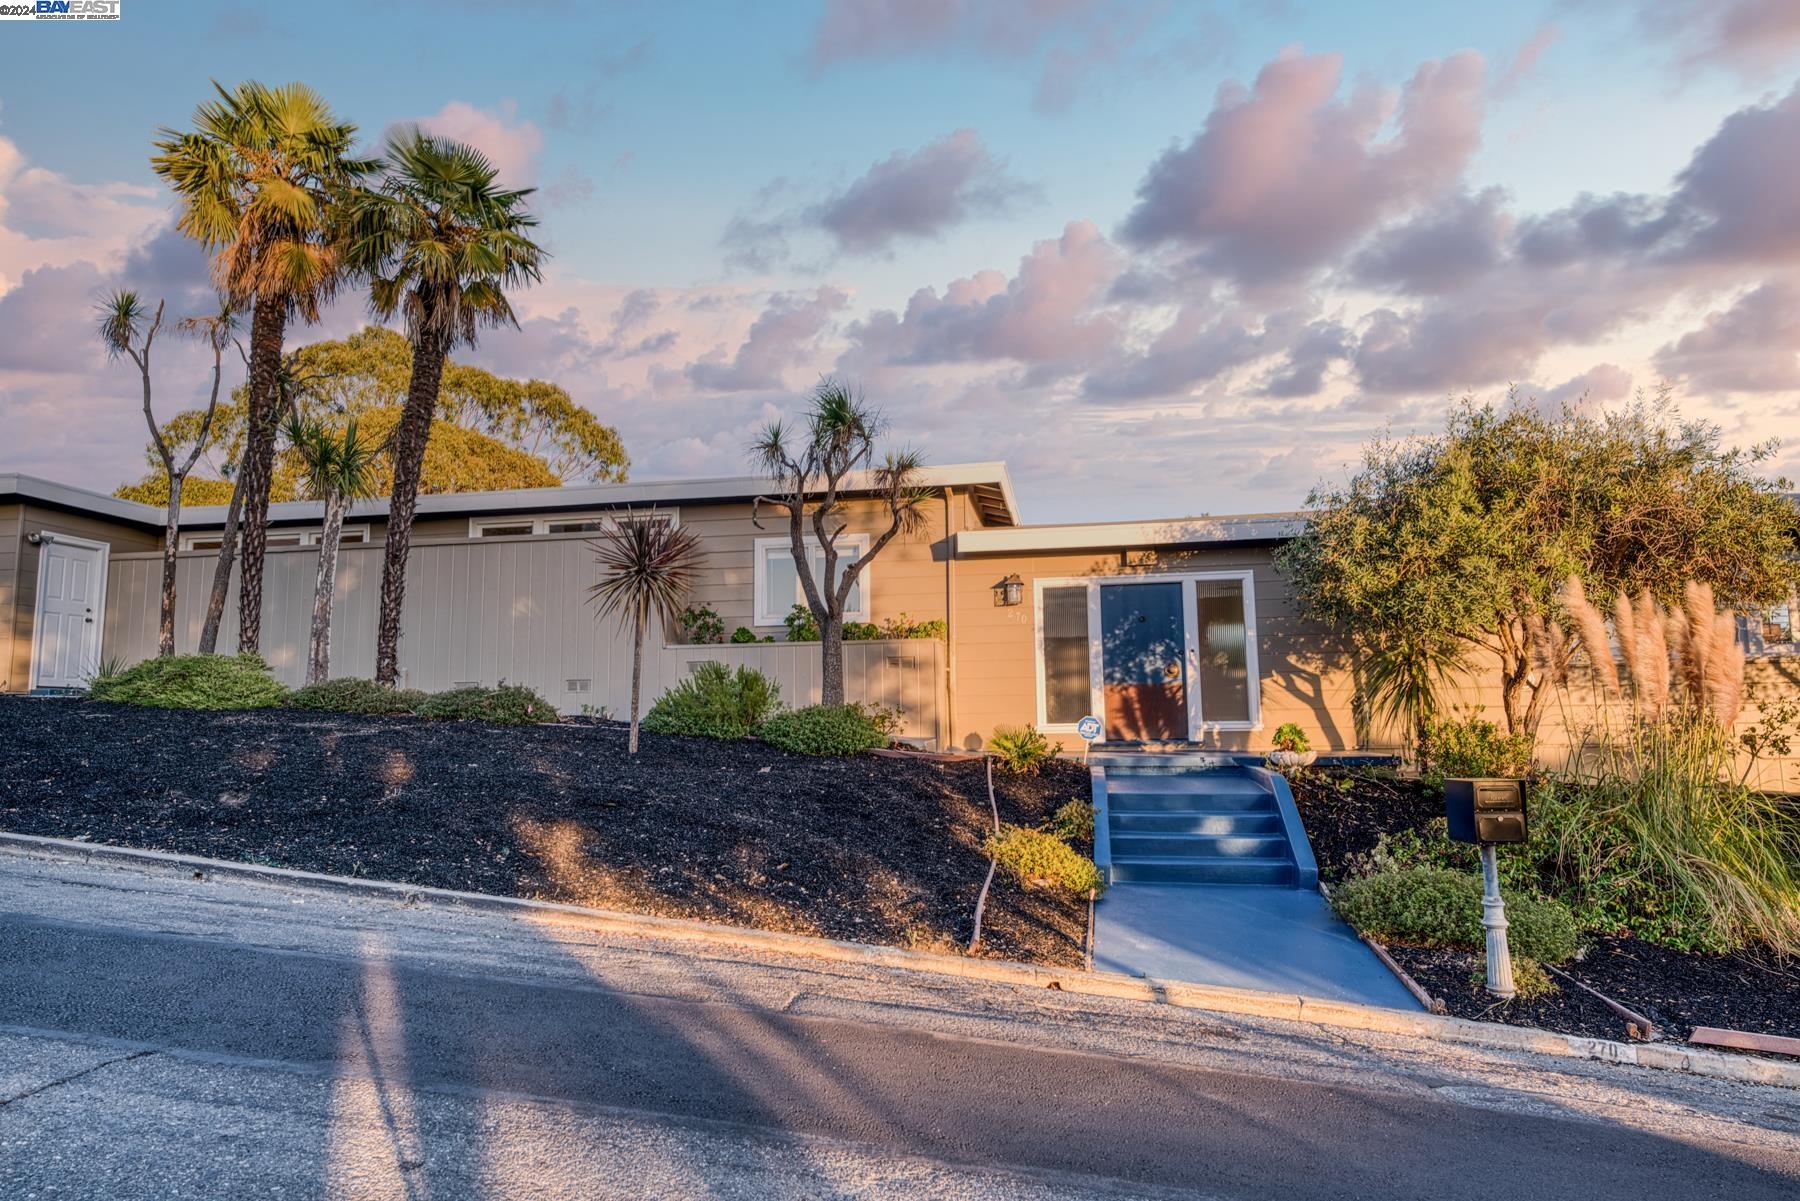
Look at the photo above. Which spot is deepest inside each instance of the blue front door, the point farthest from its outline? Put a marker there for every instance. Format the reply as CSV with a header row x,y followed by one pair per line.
x,y
1143,651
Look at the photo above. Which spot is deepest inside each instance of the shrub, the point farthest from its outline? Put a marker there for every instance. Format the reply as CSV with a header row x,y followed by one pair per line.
x,y
193,682
715,702
828,729
800,625
1034,857
1073,821
1433,907
509,704
353,695
1290,737
903,627
1019,748
700,624
745,634
1473,747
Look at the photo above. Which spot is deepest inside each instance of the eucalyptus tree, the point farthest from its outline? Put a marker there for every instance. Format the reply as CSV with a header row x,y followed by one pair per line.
x,y
259,177
813,469
338,467
127,327
442,244
648,565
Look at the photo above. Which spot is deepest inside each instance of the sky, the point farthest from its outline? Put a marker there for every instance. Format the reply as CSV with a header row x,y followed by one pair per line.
x,y
1165,258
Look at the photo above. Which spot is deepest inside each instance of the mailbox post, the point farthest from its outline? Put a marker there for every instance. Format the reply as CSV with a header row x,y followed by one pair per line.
x,y
1489,812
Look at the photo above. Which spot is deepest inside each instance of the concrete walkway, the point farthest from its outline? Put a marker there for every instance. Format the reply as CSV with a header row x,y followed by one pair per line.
x,y
1240,936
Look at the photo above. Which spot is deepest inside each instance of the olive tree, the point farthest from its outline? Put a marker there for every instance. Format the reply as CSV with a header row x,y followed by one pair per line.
x,y
813,467
1446,550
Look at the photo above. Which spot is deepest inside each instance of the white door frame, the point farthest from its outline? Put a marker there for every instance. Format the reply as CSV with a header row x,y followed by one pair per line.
x,y
45,539
1197,725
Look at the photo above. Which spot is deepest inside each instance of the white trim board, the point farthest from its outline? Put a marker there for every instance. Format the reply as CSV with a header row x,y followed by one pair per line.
x,y
759,590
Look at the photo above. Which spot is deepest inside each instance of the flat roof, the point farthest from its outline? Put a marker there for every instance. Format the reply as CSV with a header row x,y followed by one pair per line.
x,y
988,483
1109,535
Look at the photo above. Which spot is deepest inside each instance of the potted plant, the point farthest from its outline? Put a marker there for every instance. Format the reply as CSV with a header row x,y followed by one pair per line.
x,y
1291,748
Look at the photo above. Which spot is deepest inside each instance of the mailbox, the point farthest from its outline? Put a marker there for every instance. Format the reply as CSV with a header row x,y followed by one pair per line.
x,y
1485,811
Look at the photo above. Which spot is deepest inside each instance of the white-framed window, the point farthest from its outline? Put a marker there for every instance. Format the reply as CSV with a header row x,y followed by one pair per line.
x,y
280,537
1773,629
777,584
1217,654
553,523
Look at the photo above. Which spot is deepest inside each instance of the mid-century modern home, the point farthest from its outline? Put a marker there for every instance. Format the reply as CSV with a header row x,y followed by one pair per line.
x,y
1168,631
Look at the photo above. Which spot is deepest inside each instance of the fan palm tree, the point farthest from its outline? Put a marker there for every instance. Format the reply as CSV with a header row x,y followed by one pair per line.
x,y
259,176
442,245
337,470
647,567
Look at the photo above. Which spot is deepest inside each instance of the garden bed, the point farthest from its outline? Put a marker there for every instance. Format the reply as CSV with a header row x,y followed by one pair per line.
x,y
873,849
1347,810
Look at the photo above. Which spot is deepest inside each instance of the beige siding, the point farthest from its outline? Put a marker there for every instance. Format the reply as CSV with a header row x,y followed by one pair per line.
x,y
499,609
1303,678
34,519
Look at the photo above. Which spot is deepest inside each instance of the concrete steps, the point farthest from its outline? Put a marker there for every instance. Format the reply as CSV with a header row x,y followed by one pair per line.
x,y
1189,818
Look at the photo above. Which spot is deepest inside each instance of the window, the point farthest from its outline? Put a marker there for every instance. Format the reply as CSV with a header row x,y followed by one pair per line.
x,y
1067,675
552,523
777,584
278,538
1774,630
1223,644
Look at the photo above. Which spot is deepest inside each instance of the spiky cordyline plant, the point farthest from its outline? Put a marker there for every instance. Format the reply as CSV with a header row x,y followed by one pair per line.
x,y
339,468
811,469
648,566
1654,812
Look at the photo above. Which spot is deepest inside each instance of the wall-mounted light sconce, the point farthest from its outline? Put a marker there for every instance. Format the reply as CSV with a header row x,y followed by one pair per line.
x,y
35,538
1010,591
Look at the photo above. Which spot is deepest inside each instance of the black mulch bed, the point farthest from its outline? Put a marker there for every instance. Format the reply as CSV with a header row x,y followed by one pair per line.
x,y
1346,810
1458,979
873,849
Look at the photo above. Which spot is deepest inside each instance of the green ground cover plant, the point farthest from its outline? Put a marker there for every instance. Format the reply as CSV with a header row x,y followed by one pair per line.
x,y
1435,907
829,729
193,682
509,704
1020,749
351,694
1038,858
716,702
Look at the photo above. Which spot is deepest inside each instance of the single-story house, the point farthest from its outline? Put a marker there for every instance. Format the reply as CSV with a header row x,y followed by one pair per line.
x,y
1168,631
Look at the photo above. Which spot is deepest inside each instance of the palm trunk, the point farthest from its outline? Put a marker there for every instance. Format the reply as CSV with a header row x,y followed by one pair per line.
x,y
268,326
410,437
831,660
221,582
165,628
318,651
637,678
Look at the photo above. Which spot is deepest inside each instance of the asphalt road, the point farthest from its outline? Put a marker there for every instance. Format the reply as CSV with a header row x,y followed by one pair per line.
x,y
170,1058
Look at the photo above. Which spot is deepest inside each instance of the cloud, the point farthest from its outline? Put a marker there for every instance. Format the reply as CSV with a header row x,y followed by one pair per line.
x,y
782,338
1284,176
1754,38
1599,384
1753,346
511,144
1524,64
918,194
1439,248
1048,313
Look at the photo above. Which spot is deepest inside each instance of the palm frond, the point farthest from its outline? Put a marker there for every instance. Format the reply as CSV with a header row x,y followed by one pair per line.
x,y
648,565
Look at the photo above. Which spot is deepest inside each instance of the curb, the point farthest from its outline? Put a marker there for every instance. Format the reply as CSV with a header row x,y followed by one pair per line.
x,y
1291,1007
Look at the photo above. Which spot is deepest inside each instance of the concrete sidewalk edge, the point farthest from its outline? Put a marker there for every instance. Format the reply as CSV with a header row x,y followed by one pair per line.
x,y
1216,999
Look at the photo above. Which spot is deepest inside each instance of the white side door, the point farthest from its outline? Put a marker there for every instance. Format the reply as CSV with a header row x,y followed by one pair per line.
x,y
71,592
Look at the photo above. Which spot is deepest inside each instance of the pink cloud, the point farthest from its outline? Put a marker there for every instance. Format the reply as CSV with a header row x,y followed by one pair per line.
x,y
511,144
1752,37
1753,346
1284,175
